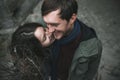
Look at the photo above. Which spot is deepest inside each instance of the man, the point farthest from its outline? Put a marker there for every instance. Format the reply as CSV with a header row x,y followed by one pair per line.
x,y
76,51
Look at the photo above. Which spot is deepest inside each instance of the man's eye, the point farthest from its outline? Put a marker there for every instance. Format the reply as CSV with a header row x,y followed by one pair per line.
x,y
54,25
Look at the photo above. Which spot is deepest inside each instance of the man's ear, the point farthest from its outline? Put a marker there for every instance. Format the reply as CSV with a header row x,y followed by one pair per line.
x,y
73,18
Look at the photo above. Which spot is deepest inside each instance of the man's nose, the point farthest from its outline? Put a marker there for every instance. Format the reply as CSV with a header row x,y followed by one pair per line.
x,y
51,29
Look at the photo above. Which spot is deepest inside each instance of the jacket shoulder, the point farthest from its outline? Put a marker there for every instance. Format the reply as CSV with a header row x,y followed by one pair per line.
x,y
88,48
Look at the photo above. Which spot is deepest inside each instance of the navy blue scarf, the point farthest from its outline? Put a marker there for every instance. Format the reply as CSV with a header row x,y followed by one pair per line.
x,y
58,43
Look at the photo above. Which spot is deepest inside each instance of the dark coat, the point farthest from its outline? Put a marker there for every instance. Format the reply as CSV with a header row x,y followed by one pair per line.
x,y
87,56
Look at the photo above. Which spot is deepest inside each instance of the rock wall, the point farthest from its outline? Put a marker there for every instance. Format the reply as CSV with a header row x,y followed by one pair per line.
x,y
12,14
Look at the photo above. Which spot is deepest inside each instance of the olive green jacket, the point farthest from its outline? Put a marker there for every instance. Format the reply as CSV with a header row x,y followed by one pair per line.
x,y
86,60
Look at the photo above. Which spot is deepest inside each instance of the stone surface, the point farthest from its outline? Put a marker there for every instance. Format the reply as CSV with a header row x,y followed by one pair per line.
x,y
12,14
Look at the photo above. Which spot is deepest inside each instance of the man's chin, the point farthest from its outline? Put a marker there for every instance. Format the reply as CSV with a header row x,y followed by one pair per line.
x,y
58,37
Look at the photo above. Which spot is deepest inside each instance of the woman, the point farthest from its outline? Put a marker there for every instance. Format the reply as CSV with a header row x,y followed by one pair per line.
x,y
29,54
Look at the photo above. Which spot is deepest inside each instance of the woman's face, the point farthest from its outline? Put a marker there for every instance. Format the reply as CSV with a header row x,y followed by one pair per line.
x,y
44,36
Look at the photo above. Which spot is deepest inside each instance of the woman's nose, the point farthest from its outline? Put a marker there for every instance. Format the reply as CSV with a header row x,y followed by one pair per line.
x,y
47,32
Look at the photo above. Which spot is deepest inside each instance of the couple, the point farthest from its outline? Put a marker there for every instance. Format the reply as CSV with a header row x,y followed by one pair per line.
x,y
66,50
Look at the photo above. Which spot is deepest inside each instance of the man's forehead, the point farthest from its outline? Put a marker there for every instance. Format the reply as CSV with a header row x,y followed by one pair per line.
x,y
52,17
51,21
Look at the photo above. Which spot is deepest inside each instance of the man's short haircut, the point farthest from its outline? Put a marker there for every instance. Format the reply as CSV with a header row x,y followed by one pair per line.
x,y
67,8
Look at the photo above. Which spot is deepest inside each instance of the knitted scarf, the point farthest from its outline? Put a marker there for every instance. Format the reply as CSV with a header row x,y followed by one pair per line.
x,y
58,43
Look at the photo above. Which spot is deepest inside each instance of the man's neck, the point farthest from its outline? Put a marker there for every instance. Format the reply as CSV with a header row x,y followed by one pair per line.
x,y
69,31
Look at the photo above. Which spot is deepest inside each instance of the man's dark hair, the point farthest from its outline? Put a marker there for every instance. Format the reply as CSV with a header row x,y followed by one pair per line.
x,y
27,53
67,8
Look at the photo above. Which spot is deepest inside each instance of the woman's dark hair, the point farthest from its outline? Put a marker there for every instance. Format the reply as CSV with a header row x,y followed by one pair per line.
x,y
27,53
67,8
24,36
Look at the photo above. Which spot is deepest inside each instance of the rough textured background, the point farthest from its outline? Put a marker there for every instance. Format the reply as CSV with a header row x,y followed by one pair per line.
x,y
102,15
12,14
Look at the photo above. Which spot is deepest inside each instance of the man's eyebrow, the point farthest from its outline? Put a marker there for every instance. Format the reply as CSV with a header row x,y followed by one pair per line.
x,y
53,23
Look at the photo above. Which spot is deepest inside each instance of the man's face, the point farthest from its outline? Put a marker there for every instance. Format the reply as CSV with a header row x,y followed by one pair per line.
x,y
57,26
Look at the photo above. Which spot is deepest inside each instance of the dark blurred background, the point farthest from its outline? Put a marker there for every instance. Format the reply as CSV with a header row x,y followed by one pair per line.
x,y
102,15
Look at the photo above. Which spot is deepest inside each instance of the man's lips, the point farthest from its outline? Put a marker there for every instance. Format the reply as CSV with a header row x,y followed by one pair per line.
x,y
52,38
